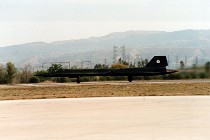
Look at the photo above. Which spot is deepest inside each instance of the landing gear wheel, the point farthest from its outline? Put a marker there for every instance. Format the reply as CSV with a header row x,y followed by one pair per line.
x,y
130,78
78,80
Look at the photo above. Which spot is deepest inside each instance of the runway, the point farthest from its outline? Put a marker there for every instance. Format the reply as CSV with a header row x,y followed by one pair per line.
x,y
111,118
51,84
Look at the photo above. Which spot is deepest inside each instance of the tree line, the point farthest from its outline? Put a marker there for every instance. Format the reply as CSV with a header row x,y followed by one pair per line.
x,y
10,74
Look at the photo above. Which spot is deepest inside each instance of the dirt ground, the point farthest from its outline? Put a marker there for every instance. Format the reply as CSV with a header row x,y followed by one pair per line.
x,y
105,89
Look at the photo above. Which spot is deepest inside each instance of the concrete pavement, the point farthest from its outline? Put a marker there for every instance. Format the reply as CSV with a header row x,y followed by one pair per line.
x,y
134,118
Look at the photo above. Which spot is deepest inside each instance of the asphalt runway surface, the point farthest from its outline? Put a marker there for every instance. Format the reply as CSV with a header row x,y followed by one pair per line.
x,y
124,118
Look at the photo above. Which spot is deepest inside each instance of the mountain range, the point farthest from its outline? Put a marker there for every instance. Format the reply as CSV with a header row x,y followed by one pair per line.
x,y
190,46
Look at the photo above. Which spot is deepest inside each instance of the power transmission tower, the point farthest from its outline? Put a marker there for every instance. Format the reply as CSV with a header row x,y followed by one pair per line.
x,y
123,53
105,62
115,54
177,61
185,60
196,61
168,59
137,59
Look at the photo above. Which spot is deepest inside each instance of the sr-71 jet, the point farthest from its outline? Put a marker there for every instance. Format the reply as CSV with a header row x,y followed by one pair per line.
x,y
157,66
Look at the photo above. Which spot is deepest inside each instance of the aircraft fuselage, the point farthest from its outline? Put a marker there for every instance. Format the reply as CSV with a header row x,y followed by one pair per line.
x,y
157,66
146,71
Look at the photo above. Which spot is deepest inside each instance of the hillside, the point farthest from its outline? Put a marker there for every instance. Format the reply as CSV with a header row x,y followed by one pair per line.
x,y
187,44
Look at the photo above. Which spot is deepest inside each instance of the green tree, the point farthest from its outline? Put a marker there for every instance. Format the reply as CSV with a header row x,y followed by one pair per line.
x,y
11,72
207,67
3,75
34,79
54,68
131,65
120,61
101,66
41,79
143,63
181,65
139,64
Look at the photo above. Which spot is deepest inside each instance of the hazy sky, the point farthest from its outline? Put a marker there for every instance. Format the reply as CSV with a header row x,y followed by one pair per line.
x,y
23,21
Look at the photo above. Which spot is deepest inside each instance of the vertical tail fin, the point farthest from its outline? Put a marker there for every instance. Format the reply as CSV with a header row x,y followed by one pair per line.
x,y
158,61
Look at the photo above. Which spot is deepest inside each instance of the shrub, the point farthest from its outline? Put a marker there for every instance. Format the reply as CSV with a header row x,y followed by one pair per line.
x,y
34,79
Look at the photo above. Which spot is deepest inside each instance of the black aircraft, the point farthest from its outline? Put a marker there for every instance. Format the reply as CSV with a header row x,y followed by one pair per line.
x,y
157,66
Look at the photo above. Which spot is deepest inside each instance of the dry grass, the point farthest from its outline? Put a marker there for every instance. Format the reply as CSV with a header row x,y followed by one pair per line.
x,y
105,90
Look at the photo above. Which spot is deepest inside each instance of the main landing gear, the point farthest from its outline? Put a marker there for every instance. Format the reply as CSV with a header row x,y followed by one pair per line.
x,y
78,80
130,78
